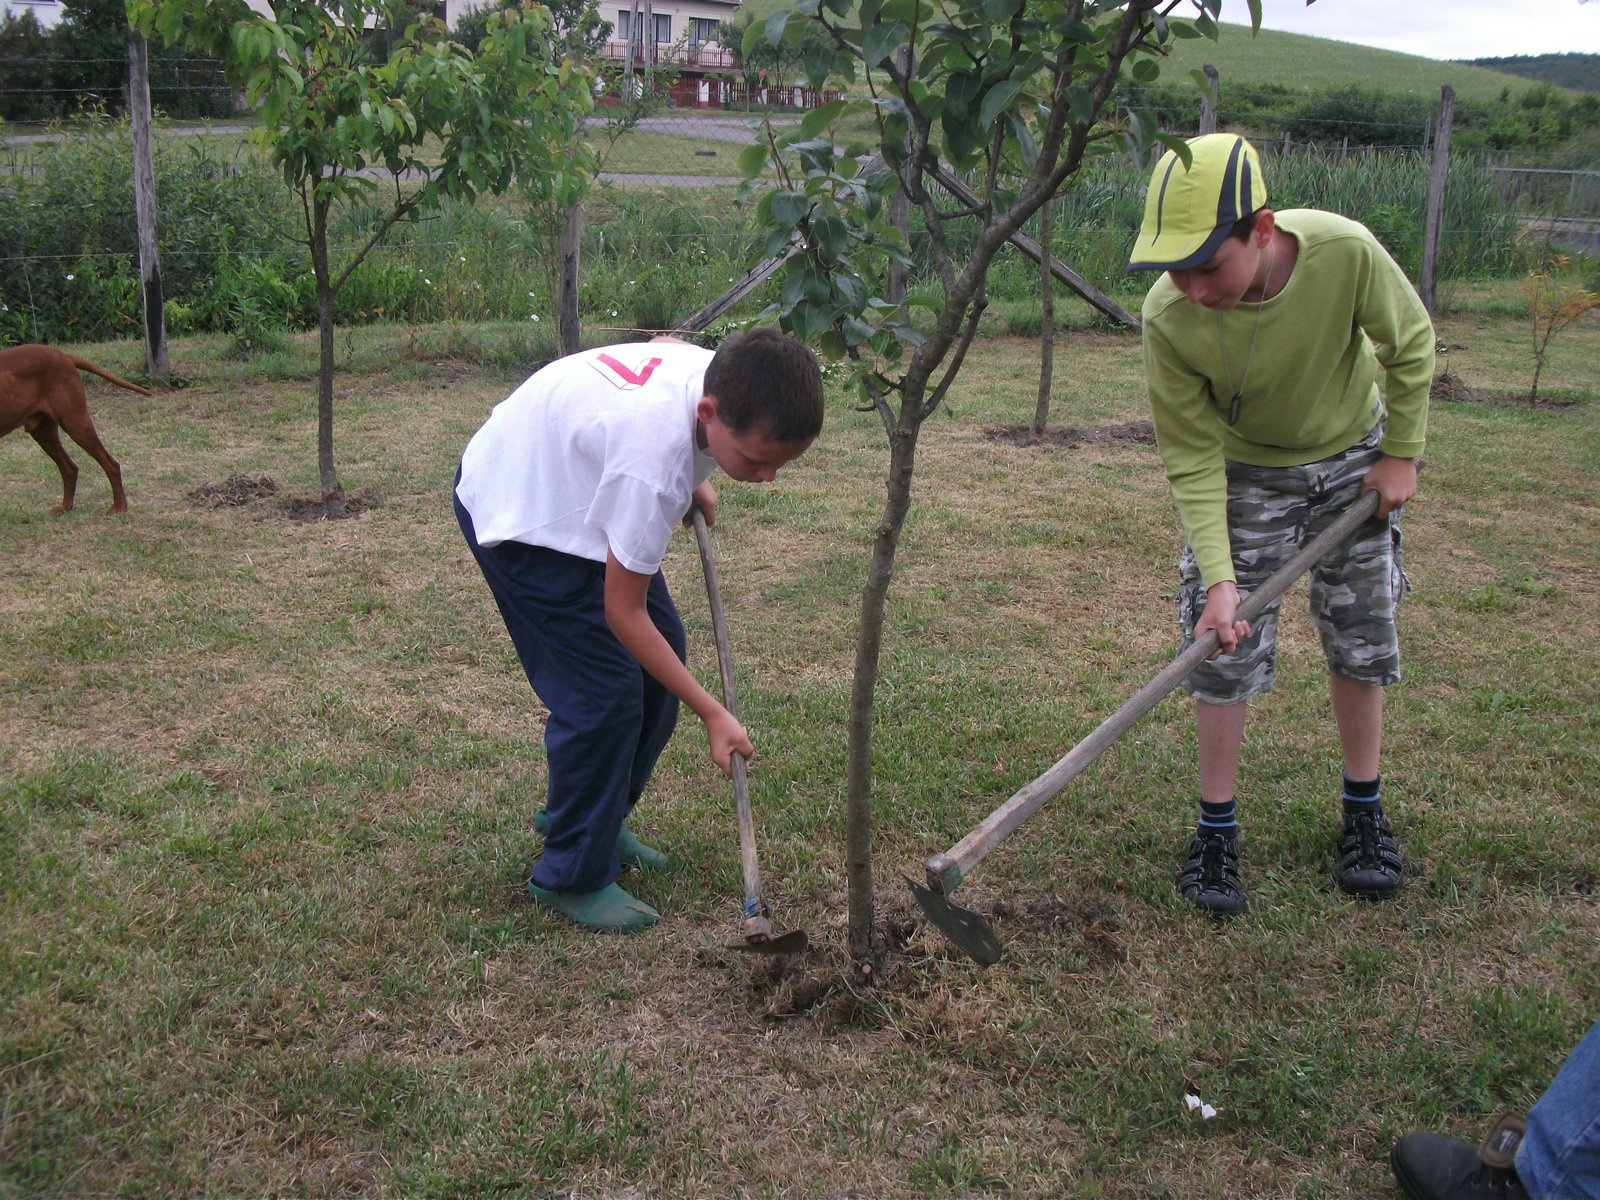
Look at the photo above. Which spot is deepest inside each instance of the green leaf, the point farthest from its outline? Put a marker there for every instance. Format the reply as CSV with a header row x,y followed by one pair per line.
x,y
882,41
856,330
1146,70
821,62
788,209
831,237
818,119
852,291
1080,103
1022,135
754,35
996,100
960,90
1000,12
753,160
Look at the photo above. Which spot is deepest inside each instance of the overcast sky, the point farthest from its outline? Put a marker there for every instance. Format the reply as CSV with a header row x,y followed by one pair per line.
x,y
1438,28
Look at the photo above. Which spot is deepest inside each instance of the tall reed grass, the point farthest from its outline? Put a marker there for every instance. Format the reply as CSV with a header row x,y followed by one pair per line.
x,y
1096,218
650,256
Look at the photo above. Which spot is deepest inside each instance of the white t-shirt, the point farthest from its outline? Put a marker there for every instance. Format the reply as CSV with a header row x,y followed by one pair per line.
x,y
596,451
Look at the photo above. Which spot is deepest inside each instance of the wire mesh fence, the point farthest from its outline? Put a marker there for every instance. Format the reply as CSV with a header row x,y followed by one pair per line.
x,y
663,236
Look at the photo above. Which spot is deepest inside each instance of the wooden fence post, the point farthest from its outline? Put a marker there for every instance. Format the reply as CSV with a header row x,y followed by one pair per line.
x,y
1208,101
567,330
1434,220
144,204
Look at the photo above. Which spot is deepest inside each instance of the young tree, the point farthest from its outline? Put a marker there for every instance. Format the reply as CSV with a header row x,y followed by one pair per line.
x,y
1552,306
400,124
1014,96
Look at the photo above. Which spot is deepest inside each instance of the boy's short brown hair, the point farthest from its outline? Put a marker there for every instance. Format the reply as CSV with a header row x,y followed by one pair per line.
x,y
766,381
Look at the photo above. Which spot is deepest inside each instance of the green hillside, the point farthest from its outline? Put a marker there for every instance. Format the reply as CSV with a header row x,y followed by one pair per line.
x,y
1579,71
1306,64
1302,63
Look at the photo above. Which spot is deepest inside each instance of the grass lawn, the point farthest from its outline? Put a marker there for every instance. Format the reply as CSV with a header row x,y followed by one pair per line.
x,y
266,790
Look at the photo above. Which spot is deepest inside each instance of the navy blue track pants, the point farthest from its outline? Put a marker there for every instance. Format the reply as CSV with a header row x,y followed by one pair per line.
x,y
609,718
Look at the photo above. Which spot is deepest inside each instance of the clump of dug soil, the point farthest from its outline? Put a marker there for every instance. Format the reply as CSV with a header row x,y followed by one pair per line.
x,y
236,491
1129,433
263,493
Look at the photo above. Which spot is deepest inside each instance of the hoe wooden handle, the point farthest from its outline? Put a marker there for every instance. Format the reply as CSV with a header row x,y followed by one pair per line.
x,y
946,871
757,920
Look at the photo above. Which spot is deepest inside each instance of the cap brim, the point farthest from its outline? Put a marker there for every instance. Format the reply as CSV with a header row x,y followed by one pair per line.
x,y
1200,254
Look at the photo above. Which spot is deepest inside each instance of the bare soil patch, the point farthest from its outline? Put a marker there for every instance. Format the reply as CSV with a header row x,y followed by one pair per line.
x,y
1450,388
264,494
1129,433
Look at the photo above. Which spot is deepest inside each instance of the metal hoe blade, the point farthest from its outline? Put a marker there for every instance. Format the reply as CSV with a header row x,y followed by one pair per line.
x,y
969,932
792,942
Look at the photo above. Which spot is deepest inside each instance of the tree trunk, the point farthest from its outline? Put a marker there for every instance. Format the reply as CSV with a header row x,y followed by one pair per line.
x,y
1047,320
866,942
567,301
331,490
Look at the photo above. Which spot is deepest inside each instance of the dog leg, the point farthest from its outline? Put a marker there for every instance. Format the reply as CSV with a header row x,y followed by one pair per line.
x,y
80,428
46,434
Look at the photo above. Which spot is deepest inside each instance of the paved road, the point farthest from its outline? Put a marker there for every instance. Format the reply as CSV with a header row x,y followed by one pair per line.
x,y
685,123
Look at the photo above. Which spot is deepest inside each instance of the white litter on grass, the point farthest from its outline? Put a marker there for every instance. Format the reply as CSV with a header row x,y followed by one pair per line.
x,y
1194,1102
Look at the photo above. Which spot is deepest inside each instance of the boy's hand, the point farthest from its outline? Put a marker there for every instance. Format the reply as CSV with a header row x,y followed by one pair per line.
x,y
704,498
1395,481
1222,605
727,735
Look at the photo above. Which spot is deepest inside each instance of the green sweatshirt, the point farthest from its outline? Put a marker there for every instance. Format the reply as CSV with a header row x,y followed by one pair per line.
x,y
1312,387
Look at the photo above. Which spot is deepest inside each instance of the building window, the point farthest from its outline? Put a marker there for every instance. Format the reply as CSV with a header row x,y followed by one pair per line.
x,y
703,29
663,24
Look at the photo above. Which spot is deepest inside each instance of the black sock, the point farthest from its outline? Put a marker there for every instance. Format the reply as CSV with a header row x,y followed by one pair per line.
x,y
1360,797
1218,818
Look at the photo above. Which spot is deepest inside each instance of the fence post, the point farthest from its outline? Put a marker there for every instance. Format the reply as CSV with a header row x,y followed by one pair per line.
x,y
567,329
144,204
1431,227
1208,101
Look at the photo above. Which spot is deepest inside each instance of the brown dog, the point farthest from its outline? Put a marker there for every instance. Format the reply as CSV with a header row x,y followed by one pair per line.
x,y
41,391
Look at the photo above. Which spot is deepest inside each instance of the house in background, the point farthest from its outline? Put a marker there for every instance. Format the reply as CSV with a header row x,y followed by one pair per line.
x,y
46,12
683,35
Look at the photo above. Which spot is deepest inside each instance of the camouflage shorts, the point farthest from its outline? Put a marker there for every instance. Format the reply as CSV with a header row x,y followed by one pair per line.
x,y
1272,512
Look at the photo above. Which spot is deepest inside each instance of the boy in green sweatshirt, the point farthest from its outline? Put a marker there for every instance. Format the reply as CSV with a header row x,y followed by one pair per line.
x,y
1264,339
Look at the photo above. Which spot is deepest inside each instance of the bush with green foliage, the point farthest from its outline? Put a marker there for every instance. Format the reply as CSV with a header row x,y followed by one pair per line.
x,y
649,258
70,213
81,63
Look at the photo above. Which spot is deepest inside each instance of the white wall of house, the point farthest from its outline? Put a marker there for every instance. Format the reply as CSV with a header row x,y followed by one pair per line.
x,y
46,12
673,18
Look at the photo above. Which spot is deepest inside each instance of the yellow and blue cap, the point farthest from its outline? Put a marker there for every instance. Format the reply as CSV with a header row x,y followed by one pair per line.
x,y
1188,213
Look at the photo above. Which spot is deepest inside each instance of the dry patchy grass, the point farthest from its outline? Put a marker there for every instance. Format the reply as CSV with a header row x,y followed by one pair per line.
x,y
265,791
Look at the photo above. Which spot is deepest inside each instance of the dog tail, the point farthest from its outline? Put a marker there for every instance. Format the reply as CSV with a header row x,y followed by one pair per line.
x,y
84,365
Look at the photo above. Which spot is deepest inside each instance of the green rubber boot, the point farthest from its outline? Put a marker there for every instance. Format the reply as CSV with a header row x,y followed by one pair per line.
x,y
630,850
610,910
635,853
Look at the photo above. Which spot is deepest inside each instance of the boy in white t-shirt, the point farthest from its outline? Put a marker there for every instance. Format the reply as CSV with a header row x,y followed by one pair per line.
x,y
568,496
